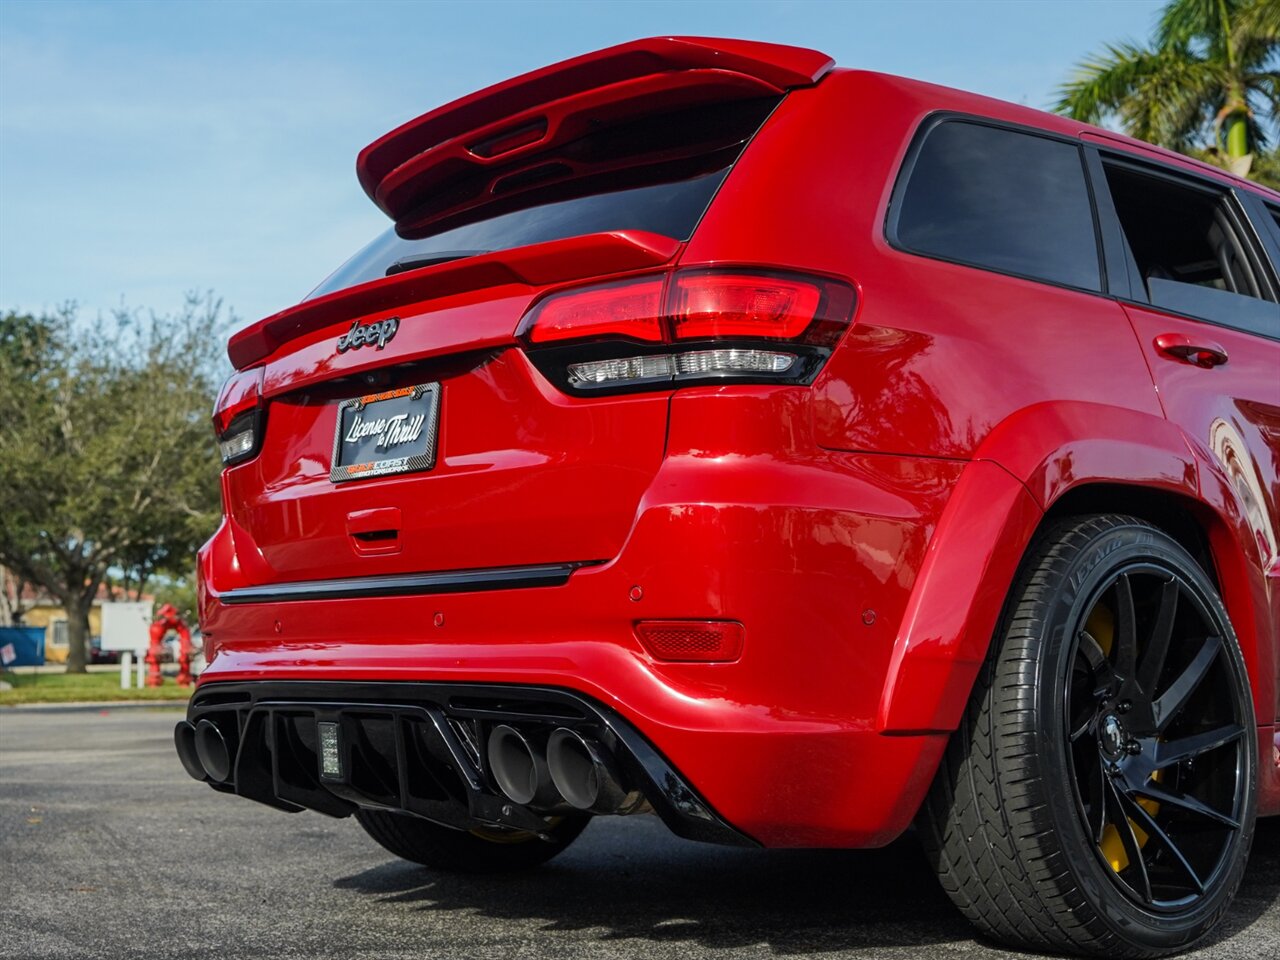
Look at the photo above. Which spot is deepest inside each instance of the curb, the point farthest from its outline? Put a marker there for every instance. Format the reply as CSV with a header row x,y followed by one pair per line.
x,y
94,705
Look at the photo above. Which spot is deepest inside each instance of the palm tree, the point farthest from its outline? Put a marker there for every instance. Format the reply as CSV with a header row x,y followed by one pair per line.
x,y
1208,84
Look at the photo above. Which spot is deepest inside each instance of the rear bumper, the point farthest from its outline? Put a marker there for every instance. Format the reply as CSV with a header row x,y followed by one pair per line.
x,y
418,748
818,558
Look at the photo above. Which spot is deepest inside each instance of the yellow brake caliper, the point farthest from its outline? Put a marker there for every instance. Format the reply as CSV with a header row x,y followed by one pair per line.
x,y
1102,627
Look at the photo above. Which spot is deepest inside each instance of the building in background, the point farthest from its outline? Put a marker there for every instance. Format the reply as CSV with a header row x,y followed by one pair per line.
x,y
29,605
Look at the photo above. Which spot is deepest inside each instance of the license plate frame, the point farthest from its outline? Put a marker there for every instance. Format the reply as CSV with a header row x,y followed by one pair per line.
x,y
420,400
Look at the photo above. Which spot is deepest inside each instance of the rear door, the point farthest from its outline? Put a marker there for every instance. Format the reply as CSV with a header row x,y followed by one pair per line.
x,y
1204,306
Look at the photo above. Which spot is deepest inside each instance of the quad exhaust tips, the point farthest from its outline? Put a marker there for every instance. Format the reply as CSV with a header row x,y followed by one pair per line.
x,y
560,771
204,750
567,769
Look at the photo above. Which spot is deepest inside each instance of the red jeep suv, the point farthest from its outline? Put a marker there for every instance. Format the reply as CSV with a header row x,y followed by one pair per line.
x,y
789,452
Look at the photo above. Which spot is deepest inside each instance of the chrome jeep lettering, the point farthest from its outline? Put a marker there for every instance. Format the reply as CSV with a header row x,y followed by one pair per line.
x,y
378,332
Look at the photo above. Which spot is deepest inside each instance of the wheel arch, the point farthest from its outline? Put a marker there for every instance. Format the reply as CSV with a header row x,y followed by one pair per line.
x,y
1045,462
1207,532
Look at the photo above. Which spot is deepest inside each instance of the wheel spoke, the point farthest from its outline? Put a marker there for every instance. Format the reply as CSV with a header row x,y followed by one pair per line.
x,y
1126,629
1103,674
1180,691
1181,801
1153,829
1161,635
1184,748
1099,801
1119,817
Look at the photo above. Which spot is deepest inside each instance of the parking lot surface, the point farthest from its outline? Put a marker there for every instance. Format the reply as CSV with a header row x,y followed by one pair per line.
x,y
107,849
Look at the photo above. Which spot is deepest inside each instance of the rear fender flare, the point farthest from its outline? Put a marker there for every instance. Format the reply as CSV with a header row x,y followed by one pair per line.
x,y
1026,463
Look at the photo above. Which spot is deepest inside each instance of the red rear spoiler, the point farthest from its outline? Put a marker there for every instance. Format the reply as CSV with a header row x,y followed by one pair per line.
x,y
531,114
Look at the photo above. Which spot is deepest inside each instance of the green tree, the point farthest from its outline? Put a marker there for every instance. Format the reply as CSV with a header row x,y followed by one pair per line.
x,y
106,456
1207,84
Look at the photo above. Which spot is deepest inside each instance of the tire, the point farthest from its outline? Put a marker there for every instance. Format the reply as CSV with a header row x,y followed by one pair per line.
x,y
457,851
1030,820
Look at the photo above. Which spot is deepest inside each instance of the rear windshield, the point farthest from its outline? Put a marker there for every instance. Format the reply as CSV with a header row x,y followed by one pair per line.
x,y
667,196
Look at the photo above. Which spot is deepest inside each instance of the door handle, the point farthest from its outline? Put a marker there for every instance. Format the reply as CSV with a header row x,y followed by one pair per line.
x,y
375,531
1200,353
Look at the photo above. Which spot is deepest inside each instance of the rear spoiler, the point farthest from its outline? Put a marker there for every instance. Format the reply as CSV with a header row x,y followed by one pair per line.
x,y
471,147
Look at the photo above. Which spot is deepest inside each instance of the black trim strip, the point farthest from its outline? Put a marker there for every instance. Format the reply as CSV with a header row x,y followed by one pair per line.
x,y
409,584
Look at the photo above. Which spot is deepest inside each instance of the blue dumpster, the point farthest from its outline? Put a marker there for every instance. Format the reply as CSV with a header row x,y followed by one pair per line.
x,y
21,647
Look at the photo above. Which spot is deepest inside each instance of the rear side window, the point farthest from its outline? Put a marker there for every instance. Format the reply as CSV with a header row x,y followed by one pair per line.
x,y
1187,249
1000,199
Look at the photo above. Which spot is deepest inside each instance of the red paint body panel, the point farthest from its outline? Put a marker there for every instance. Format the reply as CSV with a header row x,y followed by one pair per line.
x,y
758,527
864,529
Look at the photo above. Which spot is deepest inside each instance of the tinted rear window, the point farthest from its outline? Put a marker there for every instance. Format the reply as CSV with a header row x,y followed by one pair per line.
x,y
657,174
1000,199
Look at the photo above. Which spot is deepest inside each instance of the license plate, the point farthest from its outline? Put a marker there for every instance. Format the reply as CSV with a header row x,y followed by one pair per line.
x,y
386,433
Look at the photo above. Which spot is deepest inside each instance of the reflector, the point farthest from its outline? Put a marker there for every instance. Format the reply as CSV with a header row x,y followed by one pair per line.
x,y
692,641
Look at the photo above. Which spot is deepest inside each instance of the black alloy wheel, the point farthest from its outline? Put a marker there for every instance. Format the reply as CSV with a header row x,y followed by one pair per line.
x,y
1099,795
1156,737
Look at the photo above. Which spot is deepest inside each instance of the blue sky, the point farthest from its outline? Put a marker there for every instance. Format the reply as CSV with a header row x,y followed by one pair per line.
x,y
149,148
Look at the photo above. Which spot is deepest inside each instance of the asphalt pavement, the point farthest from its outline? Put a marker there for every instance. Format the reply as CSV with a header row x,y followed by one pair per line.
x,y
107,849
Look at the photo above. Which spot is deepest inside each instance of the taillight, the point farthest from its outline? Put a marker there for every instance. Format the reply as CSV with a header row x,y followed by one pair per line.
x,y
237,416
740,305
698,325
631,309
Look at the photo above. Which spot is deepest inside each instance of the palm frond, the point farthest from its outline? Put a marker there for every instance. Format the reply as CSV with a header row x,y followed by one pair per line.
x,y
1174,106
1256,20
1267,86
1259,139
1102,84
1183,22
1164,96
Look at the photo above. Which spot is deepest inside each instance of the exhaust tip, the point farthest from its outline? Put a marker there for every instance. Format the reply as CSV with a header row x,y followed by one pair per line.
x,y
212,751
584,773
184,739
573,767
514,764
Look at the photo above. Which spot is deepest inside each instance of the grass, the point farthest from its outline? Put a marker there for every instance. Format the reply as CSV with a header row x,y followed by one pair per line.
x,y
72,687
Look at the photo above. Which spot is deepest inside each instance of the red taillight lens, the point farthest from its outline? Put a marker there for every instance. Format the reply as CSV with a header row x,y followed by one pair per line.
x,y
692,641
237,416
705,305
629,309
688,326
241,392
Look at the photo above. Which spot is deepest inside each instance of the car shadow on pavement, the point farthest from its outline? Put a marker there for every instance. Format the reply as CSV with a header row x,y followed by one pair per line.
x,y
795,901
1259,892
